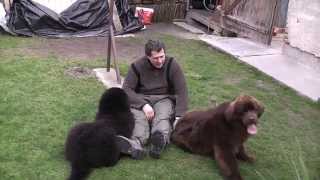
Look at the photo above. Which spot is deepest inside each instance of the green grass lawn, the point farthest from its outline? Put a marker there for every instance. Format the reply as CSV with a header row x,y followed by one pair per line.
x,y
39,104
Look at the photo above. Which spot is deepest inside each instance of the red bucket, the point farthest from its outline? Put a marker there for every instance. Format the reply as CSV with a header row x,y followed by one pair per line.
x,y
145,14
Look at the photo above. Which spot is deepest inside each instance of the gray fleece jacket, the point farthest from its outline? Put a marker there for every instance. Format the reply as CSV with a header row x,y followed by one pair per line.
x,y
146,84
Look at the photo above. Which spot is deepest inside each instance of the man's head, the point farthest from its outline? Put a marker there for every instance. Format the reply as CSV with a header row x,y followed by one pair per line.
x,y
155,51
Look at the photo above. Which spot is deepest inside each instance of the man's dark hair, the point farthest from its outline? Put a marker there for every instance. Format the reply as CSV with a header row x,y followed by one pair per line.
x,y
153,45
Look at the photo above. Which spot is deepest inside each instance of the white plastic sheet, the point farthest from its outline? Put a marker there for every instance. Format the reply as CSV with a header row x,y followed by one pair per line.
x,y
3,20
56,5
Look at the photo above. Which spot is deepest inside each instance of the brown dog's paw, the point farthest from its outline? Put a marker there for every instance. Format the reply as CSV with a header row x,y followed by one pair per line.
x,y
251,159
246,158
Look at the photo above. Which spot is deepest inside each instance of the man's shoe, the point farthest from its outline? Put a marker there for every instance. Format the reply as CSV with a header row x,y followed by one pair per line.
x,y
130,147
158,143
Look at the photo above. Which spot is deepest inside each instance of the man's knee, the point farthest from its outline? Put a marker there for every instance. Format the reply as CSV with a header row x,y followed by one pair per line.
x,y
164,109
141,128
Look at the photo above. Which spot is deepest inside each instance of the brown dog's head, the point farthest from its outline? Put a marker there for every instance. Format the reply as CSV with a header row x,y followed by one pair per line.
x,y
246,110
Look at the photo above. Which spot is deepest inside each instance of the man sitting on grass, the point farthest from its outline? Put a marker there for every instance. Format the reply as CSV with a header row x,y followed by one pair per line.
x,y
157,93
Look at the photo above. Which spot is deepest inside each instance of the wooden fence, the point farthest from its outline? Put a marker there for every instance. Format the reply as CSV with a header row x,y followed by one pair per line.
x,y
164,10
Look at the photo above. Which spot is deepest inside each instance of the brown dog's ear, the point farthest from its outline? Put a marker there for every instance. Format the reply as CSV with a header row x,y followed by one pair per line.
x,y
260,109
258,106
228,113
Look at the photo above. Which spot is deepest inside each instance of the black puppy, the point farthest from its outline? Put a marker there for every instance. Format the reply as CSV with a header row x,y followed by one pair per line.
x,y
94,144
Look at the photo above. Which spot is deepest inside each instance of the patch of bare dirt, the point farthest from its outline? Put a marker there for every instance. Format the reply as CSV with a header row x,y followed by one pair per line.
x,y
89,48
79,72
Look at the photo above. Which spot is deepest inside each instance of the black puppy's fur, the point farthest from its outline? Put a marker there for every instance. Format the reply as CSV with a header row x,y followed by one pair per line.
x,y
93,144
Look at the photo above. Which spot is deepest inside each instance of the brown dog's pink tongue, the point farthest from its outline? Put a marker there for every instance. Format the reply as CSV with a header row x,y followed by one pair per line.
x,y
252,129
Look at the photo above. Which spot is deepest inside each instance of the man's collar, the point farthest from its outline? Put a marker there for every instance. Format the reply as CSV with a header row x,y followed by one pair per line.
x,y
152,67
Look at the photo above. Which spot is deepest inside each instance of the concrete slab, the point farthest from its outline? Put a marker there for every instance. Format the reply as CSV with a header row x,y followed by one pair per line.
x,y
109,79
239,47
289,70
305,58
304,80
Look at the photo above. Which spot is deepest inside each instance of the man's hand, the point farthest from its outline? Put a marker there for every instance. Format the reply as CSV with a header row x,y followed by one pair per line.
x,y
175,122
148,111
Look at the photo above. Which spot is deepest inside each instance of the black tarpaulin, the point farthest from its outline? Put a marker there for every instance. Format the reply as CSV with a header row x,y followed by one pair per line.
x,y
82,18
126,15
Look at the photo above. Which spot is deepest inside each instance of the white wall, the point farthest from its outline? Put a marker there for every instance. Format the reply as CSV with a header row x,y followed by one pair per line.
x,y
304,25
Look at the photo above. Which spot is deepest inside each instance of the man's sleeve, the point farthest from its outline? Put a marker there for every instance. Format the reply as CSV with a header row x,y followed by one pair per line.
x,y
180,89
129,85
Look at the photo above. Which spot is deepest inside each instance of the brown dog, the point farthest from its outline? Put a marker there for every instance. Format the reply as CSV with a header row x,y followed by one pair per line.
x,y
221,132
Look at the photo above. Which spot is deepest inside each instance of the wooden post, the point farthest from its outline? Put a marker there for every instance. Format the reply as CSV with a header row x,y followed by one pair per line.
x,y
108,52
7,4
272,23
112,44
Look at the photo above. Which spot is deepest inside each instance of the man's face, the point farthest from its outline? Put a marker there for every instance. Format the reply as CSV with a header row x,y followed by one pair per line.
x,y
157,59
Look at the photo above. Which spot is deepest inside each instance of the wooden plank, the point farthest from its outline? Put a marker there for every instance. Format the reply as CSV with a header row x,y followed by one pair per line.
x,y
230,8
251,18
248,24
112,45
211,20
255,11
245,30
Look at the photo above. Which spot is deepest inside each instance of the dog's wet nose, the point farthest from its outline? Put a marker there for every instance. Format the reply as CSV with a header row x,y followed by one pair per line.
x,y
253,119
